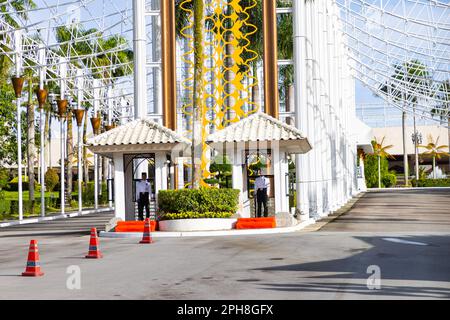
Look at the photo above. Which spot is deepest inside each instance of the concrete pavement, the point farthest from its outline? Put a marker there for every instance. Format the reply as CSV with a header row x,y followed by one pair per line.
x,y
410,248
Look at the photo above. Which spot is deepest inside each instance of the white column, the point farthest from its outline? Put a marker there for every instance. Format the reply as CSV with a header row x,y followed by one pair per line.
x,y
160,173
110,94
42,60
180,172
18,62
301,161
238,179
96,95
310,111
326,157
62,84
140,57
318,143
119,187
80,86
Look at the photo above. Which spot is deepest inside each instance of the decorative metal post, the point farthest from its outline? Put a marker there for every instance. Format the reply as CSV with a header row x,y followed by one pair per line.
x,y
42,99
17,83
95,121
79,115
62,111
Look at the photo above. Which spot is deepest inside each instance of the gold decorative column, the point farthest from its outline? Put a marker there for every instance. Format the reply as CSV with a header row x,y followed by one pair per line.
x,y
169,77
270,58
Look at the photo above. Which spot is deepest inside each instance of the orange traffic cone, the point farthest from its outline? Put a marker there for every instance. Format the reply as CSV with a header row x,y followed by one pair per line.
x,y
33,268
146,238
94,251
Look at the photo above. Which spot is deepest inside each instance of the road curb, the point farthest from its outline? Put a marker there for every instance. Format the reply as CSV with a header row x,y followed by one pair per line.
x,y
160,234
53,217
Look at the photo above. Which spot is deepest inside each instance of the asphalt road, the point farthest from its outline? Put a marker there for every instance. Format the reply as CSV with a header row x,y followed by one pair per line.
x,y
405,235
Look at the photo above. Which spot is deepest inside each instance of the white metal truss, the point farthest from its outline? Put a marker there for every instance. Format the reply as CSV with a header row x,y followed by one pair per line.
x,y
381,34
396,37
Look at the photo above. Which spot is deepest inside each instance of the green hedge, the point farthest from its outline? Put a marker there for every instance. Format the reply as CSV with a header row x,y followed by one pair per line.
x,y
431,183
198,200
389,180
195,215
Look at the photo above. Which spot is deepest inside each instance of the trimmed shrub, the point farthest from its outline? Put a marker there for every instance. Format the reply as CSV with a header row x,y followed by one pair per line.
x,y
389,180
195,215
198,200
13,185
89,192
431,182
51,179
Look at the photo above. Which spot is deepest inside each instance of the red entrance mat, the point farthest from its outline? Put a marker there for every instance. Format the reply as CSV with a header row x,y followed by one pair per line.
x,y
134,226
256,223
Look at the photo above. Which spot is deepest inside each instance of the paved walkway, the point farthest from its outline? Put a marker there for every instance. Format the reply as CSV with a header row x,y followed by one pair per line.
x,y
397,232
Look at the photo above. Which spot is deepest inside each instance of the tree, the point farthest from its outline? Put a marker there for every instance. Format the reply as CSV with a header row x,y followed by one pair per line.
x,y
435,151
221,168
443,108
51,179
379,150
20,10
31,142
409,81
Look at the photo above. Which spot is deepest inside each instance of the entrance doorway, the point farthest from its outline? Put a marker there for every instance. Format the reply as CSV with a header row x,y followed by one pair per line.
x,y
135,165
256,160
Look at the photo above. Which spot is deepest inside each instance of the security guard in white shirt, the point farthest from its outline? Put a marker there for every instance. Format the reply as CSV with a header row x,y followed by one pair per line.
x,y
143,193
262,187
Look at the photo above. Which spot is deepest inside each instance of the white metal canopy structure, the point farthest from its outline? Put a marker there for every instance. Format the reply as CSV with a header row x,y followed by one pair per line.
x,y
400,49
106,56
383,37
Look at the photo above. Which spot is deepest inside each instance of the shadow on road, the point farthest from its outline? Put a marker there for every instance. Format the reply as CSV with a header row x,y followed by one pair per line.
x,y
397,261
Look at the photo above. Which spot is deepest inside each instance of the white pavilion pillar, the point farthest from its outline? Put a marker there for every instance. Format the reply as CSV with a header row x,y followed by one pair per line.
x,y
160,173
301,161
238,178
119,187
180,172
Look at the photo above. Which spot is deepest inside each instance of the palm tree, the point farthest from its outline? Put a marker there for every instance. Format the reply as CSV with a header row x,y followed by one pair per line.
x,y
443,108
31,143
380,151
187,10
434,150
409,81
19,7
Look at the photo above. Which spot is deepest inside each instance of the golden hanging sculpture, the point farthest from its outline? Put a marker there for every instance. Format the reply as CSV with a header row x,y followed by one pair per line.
x,y
225,95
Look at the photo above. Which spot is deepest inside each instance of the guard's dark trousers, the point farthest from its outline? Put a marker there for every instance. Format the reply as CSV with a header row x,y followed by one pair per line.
x,y
261,199
143,202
